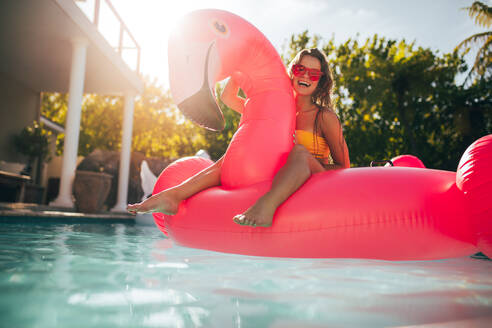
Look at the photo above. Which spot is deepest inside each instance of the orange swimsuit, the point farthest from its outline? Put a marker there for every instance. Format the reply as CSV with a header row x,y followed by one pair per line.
x,y
316,145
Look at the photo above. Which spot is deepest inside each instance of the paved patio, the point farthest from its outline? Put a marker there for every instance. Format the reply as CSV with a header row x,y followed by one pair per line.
x,y
25,210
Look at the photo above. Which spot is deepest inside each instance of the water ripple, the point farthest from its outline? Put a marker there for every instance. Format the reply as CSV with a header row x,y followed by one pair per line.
x,y
113,275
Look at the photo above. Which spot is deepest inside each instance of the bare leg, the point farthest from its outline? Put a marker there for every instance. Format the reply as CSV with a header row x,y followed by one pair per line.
x,y
298,168
167,201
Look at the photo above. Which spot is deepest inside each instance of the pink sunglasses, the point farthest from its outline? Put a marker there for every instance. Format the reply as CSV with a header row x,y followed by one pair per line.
x,y
313,73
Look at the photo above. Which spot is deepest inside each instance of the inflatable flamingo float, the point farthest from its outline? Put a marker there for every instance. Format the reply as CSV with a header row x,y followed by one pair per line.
x,y
393,213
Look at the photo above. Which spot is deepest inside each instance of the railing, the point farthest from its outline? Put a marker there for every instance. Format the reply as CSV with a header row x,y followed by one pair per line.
x,y
84,5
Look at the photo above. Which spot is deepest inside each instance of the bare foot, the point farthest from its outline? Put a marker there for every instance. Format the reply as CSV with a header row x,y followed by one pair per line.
x,y
163,202
258,215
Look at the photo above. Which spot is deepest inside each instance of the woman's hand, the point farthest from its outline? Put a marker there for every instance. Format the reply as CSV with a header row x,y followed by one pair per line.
x,y
230,97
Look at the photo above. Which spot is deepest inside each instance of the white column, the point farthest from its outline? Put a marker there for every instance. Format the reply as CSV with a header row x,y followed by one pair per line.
x,y
126,144
72,125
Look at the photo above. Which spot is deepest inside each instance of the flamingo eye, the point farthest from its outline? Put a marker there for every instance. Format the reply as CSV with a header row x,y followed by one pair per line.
x,y
220,28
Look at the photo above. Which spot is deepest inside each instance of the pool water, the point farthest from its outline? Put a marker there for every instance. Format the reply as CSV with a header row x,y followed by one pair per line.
x,y
123,275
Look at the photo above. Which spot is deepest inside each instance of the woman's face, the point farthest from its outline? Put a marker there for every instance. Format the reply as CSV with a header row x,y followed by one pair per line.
x,y
303,85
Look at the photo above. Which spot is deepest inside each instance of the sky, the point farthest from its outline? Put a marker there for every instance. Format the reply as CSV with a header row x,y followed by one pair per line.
x,y
436,24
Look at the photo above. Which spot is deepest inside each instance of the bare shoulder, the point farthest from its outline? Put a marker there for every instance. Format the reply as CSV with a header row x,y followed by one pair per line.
x,y
329,118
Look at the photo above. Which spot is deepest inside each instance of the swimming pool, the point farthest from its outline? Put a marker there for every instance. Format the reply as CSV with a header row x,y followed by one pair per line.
x,y
125,275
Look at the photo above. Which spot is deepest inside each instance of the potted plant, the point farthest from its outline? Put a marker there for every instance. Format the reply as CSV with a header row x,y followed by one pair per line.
x,y
92,184
33,142
90,190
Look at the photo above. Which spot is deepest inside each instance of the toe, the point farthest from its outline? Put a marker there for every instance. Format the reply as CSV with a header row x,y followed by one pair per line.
x,y
249,223
239,219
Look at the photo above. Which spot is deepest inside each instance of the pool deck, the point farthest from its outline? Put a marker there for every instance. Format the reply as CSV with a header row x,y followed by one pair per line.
x,y
25,210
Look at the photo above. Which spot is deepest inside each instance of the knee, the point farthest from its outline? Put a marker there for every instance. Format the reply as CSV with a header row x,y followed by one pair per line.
x,y
299,154
299,150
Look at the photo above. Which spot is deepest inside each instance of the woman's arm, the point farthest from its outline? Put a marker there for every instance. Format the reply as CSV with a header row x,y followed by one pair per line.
x,y
333,134
230,97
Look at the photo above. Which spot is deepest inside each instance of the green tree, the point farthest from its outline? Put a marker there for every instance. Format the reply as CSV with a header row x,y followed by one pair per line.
x,y
101,123
33,142
159,129
297,43
395,98
100,120
54,107
219,141
386,90
482,14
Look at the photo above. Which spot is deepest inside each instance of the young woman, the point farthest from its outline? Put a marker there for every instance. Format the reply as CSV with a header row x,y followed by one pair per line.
x,y
320,145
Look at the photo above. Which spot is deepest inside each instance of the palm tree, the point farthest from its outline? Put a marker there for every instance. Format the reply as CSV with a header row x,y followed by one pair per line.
x,y
482,14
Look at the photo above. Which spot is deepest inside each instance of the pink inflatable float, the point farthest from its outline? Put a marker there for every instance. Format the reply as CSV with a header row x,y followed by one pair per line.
x,y
393,213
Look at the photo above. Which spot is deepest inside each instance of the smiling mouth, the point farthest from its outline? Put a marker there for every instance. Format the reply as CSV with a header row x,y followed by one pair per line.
x,y
303,84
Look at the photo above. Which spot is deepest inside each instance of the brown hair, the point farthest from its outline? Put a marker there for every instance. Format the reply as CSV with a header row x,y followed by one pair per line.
x,y
322,96
323,93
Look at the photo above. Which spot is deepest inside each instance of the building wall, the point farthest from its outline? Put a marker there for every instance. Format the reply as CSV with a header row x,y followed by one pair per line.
x,y
19,106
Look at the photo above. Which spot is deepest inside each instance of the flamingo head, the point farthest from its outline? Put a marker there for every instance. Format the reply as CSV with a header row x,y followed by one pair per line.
x,y
199,54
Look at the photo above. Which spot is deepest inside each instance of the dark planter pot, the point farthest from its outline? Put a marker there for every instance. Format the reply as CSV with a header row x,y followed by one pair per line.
x,y
34,194
90,190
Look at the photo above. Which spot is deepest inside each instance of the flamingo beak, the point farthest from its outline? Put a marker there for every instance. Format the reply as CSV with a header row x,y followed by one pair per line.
x,y
192,74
